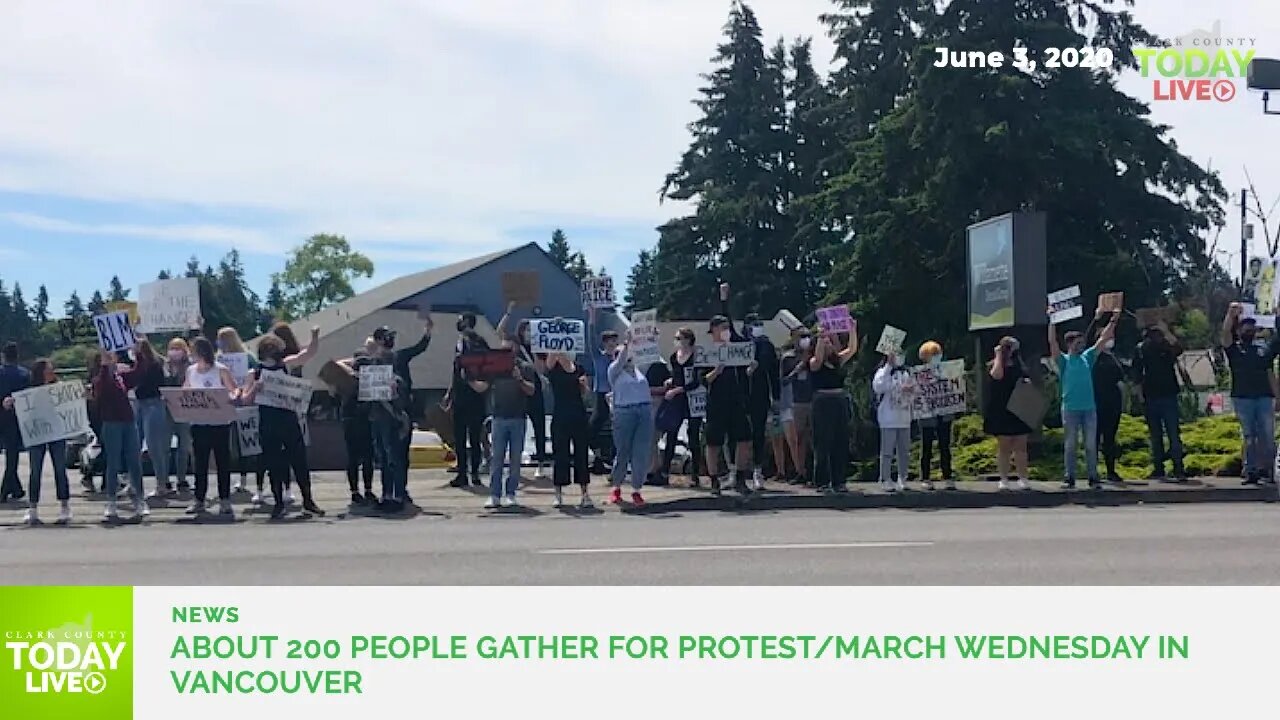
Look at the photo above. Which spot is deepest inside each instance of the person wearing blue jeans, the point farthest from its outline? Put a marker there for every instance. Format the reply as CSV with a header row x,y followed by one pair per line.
x,y
510,397
1253,392
633,427
1155,368
1079,408
42,373
388,436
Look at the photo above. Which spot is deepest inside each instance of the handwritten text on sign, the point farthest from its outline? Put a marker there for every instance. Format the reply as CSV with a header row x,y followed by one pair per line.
x,y
169,305
558,336
891,341
644,337
597,292
238,364
114,331
376,383
51,412
740,354
698,403
247,426
285,392
200,406
835,319
1065,305
940,390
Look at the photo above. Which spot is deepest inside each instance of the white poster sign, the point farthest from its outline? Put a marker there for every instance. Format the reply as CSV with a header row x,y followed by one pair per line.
x,y
200,406
733,354
250,434
284,391
597,292
51,412
557,335
169,305
940,390
238,364
1065,305
1250,310
891,341
114,331
644,338
377,383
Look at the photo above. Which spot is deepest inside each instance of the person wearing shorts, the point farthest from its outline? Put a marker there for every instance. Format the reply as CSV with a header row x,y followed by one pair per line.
x,y
727,419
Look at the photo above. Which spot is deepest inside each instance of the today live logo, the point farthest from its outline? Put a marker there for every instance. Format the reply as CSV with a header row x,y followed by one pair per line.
x,y
1200,66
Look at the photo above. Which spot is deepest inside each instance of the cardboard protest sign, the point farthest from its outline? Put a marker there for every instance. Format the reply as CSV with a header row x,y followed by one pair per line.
x,y
126,306
169,305
377,383
247,428
597,292
339,378
114,331
487,364
732,354
51,412
835,320
200,406
644,338
237,364
891,341
698,403
522,287
1028,403
1111,302
940,390
1149,317
284,391
557,335
1065,305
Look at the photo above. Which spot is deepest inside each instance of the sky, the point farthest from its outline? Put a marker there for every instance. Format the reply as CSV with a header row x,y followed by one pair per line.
x,y
135,135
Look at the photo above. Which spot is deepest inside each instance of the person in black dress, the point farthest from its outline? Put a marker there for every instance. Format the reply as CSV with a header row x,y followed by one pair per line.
x,y
570,429
1006,373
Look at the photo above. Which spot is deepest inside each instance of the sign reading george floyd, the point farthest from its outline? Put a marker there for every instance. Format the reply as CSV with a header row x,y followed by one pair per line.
x,y
557,335
200,406
1007,274
487,364
114,331
51,412
169,305
733,354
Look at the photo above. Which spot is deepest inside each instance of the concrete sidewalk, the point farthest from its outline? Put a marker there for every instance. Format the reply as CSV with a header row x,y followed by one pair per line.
x,y
434,497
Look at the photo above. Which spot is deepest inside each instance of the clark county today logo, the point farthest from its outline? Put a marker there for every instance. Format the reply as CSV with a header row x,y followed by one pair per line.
x,y
67,652
1200,66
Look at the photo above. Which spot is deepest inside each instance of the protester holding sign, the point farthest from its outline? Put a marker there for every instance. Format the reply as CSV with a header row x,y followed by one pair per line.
x,y
280,432
935,429
727,395
233,354
569,428
894,388
1007,373
684,380
1108,384
1253,391
1079,409
510,407
632,423
357,433
400,359
832,412
146,377
796,405
13,378
42,374
391,426
213,440
762,398
293,349
601,356
467,401
537,406
177,362
1155,368
119,433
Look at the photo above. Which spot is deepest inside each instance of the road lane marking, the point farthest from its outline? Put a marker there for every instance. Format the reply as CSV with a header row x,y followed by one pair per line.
x,y
723,548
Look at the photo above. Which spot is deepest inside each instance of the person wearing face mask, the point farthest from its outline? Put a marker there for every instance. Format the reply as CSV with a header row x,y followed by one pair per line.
x,y
935,430
229,345
894,389
1006,373
727,394
400,360
569,428
796,403
177,361
684,380
831,411
468,404
537,405
602,413
763,393
1108,383
120,441
1079,409
1253,391
1155,369
357,431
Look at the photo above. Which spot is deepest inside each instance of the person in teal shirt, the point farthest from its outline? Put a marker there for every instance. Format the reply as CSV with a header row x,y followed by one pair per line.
x,y
1079,413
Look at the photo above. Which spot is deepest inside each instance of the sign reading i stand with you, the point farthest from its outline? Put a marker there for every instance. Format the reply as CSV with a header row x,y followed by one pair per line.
x,y
644,338
1065,305
734,354
376,383
597,292
835,320
557,335
114,331
51,412
169,305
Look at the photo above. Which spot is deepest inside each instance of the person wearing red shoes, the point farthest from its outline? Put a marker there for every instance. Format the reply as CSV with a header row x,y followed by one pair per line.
x,y
632,423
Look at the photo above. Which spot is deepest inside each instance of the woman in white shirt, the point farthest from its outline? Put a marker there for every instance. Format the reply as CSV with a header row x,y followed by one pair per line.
x,y
206,373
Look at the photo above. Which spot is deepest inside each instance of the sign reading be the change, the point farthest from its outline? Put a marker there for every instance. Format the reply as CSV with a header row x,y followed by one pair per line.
x,y
169,305
597,292
734,354
557,335
49,413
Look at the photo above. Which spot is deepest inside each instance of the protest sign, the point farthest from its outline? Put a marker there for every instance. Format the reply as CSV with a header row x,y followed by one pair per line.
x,y
940,390
339,378
733,354
698,403
557,335
487,364
597,292
126,306
114,331
51,412
1111,302
169,305
836,319
247,426
1250,310
238,364
1151,317
891,341
281,390
1065,305
522,287
1028,403
200,406
377,383
644,338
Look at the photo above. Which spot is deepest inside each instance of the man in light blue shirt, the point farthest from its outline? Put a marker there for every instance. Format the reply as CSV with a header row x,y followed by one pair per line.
x,y
1079,413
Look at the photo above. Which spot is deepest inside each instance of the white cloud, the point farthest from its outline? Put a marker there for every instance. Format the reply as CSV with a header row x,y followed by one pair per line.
x,y
223,236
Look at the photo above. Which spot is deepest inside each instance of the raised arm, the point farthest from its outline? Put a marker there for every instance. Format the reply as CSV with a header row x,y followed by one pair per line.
x,y
850,349
406,355
1229,324
820,351
507,340
1054,351
301,358
619,362
1108,332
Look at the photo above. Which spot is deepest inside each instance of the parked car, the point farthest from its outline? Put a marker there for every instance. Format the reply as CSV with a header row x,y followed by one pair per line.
x,y
92,463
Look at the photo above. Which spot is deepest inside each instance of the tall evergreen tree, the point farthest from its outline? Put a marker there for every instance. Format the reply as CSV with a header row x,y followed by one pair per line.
x,y
571,260
117,291
21,326
97,304
74,307
41,311
642,287
6,314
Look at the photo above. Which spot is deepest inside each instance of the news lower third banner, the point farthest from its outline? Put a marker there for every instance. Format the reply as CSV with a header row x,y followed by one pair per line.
x,y
113,653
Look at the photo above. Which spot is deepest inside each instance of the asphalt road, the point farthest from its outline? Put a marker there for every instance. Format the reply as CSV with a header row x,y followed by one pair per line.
x,y
1175,544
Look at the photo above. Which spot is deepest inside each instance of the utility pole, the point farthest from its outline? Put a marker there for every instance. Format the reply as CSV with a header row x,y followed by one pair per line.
x,y
1244,240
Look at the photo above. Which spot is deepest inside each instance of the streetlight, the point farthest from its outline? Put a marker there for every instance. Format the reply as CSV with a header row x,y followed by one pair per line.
x,y
1264,75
